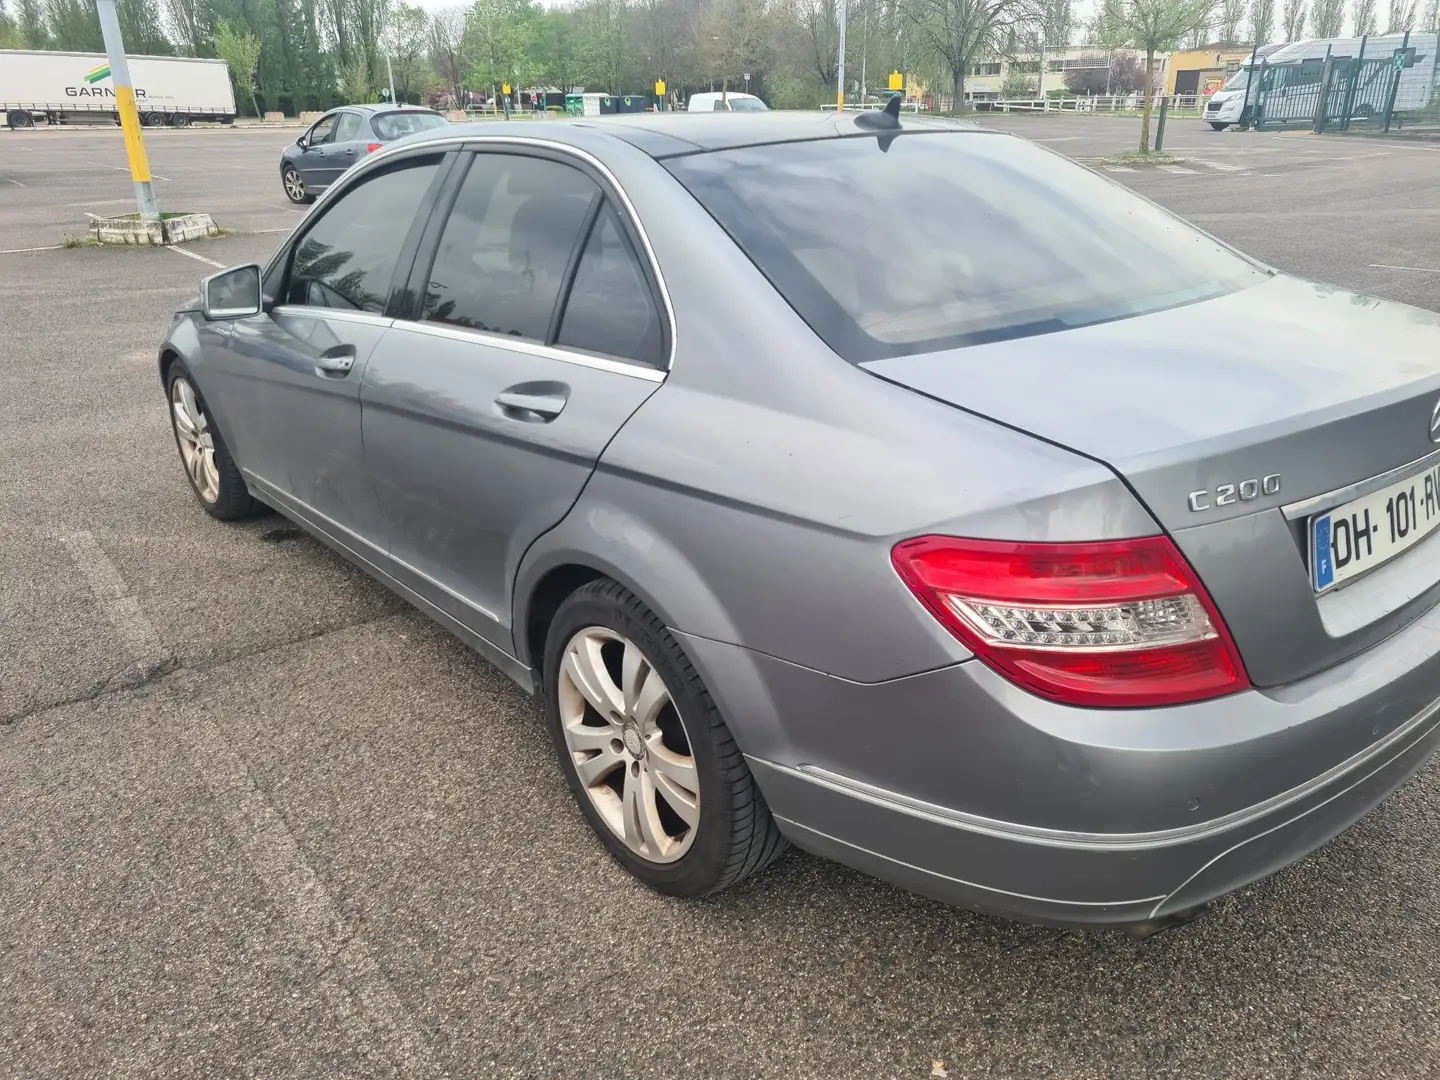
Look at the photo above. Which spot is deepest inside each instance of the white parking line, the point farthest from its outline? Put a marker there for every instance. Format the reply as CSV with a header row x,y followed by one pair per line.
x,y
1416,269
1218,165
17,183
17,251
192,255
1178,169
1117,168
123,610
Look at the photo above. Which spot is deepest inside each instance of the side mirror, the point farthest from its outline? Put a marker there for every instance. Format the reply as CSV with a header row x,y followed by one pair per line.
x,y
300,142
232,294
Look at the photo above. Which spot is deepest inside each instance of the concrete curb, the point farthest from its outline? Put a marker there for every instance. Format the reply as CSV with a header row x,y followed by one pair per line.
x,y
166,231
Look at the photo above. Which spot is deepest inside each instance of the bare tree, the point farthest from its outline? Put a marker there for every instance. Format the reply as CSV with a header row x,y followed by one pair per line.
x,y
956,32
1327,18
820,36
1151,25
1402,16
448,55
1229,19
1262,21
1365,23
1292,20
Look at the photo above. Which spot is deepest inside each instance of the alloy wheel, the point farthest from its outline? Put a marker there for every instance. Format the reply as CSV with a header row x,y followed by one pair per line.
x,y
628,744
294,186
197,443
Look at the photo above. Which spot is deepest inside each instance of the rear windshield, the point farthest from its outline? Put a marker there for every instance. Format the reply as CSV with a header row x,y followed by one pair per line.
x,y
950,239
396,125
748,104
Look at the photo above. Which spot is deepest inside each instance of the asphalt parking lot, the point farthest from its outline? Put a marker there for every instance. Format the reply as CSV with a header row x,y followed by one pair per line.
x,y
261,819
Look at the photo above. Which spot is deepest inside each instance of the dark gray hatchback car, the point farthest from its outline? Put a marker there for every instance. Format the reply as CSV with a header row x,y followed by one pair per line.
x,y
895,488
342,137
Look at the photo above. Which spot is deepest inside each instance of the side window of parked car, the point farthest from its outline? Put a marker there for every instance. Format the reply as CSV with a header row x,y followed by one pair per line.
x,y
347,259
507,245
321,132
610,309
348,129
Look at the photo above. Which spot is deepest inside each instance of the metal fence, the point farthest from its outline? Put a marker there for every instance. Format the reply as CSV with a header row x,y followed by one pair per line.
x,y
1385,89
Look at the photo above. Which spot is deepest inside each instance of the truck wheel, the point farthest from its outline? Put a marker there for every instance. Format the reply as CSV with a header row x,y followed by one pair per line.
x,y
152,119
180,120
19,118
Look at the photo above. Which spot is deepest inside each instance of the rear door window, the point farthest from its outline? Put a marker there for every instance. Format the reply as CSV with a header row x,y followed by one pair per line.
x,y
348,129
610,309
928,241
396,125
508,245
348,258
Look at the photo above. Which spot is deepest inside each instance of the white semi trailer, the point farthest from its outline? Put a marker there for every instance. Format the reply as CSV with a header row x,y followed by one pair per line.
x,y
75,87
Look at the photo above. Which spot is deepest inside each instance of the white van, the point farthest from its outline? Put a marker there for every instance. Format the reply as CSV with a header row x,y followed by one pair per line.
x,y
1293,73
733,103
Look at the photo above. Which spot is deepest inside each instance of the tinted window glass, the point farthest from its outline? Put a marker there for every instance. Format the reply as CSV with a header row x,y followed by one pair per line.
x,y
506,245
322,131
748,104
348,258
388,126
348,129
611,310
948,239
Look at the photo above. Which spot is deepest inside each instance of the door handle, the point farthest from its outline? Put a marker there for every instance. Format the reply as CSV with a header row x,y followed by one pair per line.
x,y
350,152
336,362
532,408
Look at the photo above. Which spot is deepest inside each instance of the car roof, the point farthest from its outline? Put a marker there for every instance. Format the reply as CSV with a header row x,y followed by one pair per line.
x,y
382,106
670,134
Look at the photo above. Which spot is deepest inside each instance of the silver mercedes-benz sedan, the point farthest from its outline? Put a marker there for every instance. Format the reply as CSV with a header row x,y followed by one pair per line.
x,y
897,489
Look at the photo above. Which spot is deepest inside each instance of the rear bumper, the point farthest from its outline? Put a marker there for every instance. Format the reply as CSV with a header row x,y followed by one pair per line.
x,y
956,784
1046,877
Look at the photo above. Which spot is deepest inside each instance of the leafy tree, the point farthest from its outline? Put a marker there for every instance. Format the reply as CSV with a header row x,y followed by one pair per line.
x,y
74,26
242,52
407,42
1151,25
1017,84
1327,18
1365,18
30,24
355,84
555,47
9,30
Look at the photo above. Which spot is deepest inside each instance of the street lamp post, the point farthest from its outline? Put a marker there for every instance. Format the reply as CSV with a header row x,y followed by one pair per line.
x,y
840,80
129,115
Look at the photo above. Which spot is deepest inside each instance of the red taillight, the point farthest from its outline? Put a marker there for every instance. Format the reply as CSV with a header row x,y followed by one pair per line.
x,y
370,148
1112,623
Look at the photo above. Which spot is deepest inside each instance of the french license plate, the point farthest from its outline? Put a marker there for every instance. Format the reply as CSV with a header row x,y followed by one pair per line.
x,y
1360,535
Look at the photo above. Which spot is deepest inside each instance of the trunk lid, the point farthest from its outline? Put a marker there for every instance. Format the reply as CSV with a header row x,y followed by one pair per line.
x,y
1314,385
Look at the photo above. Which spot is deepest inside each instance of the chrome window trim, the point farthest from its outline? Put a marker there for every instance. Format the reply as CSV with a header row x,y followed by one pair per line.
x,y
534,348
1331,499
369,318
450,142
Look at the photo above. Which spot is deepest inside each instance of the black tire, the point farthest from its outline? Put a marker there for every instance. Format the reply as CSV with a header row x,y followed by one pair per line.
x,y
1218,127
153,119
233,500
180,120
735,836
290,181
19,118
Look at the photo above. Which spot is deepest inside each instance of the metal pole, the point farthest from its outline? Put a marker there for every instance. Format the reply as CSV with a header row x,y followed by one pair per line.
x,y
1160,125
840,80
390,77
1395,84
864,49
129,115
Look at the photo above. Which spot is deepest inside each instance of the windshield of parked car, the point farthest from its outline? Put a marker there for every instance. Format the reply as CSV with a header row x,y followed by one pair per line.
x,y
1239,81
395,125
919,242
748,104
